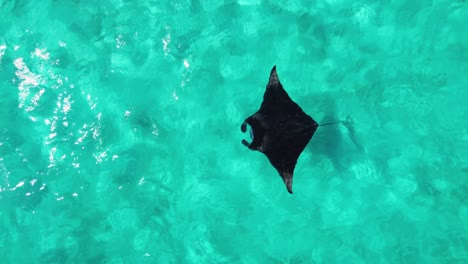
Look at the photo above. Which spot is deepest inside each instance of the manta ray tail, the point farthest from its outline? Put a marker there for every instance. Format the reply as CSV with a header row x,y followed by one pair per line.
x,y
345,123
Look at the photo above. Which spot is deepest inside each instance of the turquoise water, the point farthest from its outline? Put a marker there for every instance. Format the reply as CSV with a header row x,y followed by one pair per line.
x,y
120,139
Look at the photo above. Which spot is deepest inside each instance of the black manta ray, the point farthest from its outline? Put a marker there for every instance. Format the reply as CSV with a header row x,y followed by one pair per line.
x,y
279,129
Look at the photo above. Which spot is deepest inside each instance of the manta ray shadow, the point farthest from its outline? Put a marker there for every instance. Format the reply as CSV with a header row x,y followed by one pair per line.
x,y
338,142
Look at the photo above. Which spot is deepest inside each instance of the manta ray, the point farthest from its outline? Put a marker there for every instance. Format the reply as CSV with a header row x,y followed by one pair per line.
x,y
279,129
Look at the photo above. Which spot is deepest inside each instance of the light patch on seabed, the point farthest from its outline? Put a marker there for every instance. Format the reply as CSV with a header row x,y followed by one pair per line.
x,y
166,41
100,156
20,184
2,51
28,80
174,96
249,2
365,170
41,53
120,42
66,104
334,2
35,99
186,75
364,15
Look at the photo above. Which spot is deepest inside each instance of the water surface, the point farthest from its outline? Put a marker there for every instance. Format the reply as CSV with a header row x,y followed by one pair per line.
x,y
120,139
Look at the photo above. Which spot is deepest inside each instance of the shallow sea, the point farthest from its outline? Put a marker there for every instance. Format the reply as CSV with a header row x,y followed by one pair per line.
x,y
120,139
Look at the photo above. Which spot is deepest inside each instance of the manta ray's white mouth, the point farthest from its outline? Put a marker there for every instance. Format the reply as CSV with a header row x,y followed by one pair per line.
x,y
251,132
244,127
